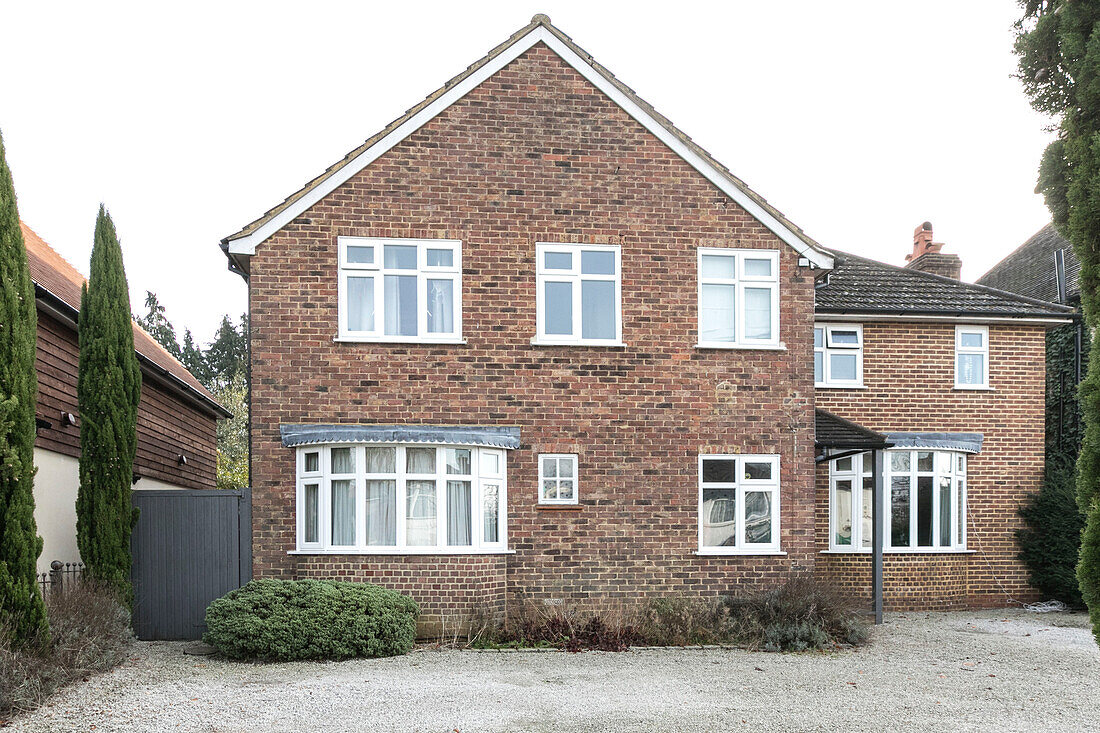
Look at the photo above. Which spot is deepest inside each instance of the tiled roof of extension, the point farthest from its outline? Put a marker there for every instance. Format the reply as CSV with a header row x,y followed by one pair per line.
x,y
54,274
861,285
538,20
831,431
1030,269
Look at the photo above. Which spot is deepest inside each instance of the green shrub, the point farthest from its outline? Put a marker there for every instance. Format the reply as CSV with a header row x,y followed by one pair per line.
x,y
1050,542
283,620
800,614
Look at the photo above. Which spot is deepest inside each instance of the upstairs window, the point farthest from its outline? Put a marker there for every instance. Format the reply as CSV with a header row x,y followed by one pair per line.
x,y
579,297
738,298
400,289
838,355
971,357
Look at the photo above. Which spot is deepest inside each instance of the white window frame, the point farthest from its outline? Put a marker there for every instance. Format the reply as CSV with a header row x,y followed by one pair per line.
x,y
377,271
828,347
984,351
479,477
741,281
574,276
950,465
742,486
570,457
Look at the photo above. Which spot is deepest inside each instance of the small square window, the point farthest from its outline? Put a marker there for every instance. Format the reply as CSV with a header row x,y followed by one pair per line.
x,y
719,471
558,261
558,478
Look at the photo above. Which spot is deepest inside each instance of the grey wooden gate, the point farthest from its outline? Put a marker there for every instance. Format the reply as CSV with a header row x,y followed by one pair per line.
x,y
190,547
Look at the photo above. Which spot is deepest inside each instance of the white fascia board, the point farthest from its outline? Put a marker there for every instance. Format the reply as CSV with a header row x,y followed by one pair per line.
x,y
247,245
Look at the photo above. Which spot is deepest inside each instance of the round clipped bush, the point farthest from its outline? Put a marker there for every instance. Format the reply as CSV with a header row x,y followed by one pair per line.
x,y
284,620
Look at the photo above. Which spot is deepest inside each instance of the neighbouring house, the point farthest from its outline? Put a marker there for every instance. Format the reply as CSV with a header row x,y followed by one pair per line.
x,y
531,342
176,416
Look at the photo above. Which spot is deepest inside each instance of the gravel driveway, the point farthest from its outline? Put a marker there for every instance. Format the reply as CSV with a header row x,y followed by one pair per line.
x,y
937,672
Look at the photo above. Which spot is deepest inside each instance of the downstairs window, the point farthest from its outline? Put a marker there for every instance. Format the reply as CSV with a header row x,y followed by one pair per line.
x,y
738,504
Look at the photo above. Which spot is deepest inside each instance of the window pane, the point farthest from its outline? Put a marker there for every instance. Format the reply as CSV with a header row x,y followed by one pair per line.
x,y
490,463
945,512
441,258
925,461
868,463
343,512
842,513
758,313
868,510
924,511
313,462
719,517
459,513
565,467
490,500
819,338
420,522
758,267
719,470
565,489
971,368
558,305
819,367
760,470
360,254
549,490
400,256
970,340
598,310
718,316
899,461
400,292
843,338
550,467
459,461
420,460
960,463
381,526
899,511
343,460
597,263
842,367
843,464
360,303
758,517
381,460
312,509
558,261
719,266
441,306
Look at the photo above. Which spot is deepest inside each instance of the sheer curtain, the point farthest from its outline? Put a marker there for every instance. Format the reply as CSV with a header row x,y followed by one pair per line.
x,y
420,522
459,510
360,303
343,460
343,512
491,501
440,306
400,297
420,460
381,526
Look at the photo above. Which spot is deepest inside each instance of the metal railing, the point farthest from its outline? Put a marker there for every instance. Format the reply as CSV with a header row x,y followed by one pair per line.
x,y
62,575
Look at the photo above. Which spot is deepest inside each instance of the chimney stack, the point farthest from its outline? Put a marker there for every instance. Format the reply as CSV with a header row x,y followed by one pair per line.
x,y
927,257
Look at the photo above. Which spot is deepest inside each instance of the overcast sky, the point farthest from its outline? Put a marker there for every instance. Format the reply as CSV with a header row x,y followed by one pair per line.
x,y
190,120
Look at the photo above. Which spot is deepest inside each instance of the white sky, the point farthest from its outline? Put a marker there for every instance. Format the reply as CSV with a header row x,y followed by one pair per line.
x,y
190,120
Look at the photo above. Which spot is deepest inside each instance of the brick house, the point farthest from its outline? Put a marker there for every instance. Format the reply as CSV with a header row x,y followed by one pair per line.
x,y
176,417
530,341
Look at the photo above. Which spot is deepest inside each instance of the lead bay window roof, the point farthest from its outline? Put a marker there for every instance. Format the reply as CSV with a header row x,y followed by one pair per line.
x,y
497,437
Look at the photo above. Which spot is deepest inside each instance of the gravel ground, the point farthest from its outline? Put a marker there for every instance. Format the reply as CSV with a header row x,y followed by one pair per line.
x,y
1003,671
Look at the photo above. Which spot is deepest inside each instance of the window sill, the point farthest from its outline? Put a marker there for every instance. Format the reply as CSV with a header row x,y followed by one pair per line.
x,y
743,347
839,386
397,340
559,507
961,388
608,344
903,551
737,553
406,551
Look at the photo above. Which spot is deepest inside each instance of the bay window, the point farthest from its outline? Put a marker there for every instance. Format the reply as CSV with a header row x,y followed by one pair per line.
x,y
738,504
400,289
738,301
401,498
578,296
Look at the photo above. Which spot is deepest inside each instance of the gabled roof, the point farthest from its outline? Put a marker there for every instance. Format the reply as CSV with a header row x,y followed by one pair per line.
x,y
1030,269
54,274
538,30
858,285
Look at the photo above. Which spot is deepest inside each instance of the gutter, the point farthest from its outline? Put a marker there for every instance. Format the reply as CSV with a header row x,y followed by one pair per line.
x,y
867,314
66,313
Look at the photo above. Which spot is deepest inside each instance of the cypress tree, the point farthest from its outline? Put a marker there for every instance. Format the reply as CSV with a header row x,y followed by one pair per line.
x,y
108,389
21,609
1058,42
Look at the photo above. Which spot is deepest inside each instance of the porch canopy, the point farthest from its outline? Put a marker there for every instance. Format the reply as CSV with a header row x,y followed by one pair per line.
x,y
835,437
496,437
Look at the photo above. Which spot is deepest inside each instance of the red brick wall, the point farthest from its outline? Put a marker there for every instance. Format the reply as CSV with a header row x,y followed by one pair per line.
x,y
166,425
909,374
538,154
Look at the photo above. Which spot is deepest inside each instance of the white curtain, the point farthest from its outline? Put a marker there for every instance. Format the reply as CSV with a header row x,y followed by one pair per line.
x,y
381,460
420,513
718,313
420,460
343,460
459,510
400,296
312,504
758,313
381,512
491,504
441,306
343,512
360,303
458,461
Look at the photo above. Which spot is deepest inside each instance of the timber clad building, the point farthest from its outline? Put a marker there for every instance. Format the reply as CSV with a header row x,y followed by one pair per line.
x,y
530,341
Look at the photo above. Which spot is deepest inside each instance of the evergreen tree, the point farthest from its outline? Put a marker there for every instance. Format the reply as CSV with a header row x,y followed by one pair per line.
x,y
192,357
21,609
227,355
233,434
108,389
1058,42
157,325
